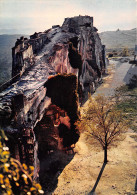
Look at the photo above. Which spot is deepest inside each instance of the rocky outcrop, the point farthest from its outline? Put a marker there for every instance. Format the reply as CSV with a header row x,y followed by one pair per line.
x,y
41,106
54,46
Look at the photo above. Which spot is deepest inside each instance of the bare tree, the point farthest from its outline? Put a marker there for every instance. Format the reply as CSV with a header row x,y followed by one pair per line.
x,y
103,122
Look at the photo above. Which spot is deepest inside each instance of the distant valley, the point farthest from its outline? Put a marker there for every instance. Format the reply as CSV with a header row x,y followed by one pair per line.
x,y
6,44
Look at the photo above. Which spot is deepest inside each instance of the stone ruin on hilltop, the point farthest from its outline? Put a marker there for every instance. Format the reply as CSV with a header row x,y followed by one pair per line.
x,y
50,71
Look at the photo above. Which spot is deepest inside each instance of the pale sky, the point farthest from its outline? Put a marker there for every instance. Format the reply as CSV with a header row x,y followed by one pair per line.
x,y
28,16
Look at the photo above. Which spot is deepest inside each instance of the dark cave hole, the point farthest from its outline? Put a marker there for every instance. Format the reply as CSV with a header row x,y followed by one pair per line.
x,y
74,41
56,132
75,58
64,97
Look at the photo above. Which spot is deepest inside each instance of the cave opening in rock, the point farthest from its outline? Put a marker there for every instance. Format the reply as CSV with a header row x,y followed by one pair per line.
x,y
62,89
54,137
56,133
74,41
58,123
75,58
53,132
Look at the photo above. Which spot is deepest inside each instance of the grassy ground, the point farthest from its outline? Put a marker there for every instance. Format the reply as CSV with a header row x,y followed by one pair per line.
x,y
128,105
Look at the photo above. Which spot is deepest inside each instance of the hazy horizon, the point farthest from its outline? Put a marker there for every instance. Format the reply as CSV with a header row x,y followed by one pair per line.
x,y
29,16
25,31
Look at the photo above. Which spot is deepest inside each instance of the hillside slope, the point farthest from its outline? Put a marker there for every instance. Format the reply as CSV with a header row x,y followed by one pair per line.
x,y
6,43
119,38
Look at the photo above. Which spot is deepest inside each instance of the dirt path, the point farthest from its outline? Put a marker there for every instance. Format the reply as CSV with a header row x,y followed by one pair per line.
x,y
118,74
119,175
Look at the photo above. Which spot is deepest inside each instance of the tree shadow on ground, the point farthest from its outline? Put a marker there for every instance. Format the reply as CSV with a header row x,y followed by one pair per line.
x,y
51,166
97,181
136,187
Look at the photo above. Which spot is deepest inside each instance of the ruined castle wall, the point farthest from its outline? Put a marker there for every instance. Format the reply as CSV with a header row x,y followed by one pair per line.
x,y
21,58
37,40
89,46
73,48
28,53
24,50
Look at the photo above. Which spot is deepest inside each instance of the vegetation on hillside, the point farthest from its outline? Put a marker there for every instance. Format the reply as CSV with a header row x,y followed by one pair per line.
x,y
127,101
125,52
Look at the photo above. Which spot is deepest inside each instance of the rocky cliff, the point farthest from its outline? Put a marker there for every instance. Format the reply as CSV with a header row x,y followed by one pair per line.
x,y
50,70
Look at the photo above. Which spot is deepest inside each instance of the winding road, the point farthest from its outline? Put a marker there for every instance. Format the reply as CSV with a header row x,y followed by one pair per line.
x,y
118,74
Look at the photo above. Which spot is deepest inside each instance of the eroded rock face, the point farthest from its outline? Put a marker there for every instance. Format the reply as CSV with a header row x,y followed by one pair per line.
x,y
74,48
52,48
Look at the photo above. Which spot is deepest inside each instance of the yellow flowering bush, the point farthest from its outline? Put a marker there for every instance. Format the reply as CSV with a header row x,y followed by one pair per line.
x,y
15,178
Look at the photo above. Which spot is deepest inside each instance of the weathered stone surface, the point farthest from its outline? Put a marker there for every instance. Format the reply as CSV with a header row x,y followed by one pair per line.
x,y
76,48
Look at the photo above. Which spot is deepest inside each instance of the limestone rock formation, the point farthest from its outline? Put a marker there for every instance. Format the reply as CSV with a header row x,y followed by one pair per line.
x,y
41,106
